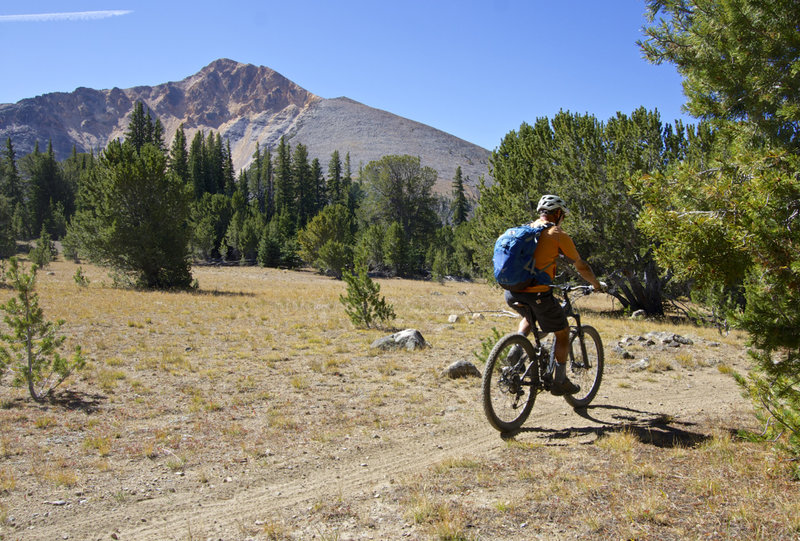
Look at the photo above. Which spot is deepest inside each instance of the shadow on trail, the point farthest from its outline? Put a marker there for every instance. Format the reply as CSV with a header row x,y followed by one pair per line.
x,y
73,400
649,427
69,400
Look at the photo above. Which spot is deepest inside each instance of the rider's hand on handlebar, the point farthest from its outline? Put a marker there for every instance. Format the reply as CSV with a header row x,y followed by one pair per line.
x,y
603,287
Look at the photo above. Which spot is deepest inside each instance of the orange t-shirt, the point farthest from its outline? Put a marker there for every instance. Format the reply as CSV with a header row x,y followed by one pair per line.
x,y
552,242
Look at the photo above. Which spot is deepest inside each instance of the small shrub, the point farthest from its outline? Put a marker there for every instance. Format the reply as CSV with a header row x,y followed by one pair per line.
x,y
486,346
80,278
31,346
439,269
363,303
45,250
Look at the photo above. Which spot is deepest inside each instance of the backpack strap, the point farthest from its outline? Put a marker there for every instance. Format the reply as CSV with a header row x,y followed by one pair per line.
x,y
545,226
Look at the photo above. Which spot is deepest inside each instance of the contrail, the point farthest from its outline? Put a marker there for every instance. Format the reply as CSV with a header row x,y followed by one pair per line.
x,y
69,16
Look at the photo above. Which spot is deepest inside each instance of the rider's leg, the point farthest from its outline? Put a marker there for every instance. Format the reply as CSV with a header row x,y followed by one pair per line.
x,y
562,347
524,328
562,385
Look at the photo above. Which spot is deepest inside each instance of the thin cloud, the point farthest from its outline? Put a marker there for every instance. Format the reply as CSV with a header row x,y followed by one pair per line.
x,y
68,16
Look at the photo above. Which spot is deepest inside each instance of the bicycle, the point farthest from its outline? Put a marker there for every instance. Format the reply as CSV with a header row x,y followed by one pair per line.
x,y
514,376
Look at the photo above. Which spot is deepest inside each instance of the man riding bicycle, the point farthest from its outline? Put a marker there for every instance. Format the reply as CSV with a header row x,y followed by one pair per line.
x,y
547,311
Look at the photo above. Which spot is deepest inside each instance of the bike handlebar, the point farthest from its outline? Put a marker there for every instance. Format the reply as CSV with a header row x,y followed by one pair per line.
x,y
566,288
585,289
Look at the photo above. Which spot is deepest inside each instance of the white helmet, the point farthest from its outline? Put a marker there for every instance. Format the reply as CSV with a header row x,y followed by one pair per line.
x,y
550,203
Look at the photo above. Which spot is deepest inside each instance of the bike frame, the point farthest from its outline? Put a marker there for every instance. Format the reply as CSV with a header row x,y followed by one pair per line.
x,y
545,361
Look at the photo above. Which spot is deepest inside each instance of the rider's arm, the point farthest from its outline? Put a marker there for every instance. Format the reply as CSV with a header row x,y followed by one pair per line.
x,y
567,247
586,272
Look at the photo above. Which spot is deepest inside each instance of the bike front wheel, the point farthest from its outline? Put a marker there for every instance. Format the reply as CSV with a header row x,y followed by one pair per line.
x,y
508,393
585,366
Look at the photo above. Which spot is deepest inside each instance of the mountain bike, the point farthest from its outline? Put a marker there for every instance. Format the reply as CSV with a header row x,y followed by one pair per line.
x,y
517,370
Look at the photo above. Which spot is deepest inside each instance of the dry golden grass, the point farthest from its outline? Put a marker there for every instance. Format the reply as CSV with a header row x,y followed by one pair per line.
x,y
621,488
259,381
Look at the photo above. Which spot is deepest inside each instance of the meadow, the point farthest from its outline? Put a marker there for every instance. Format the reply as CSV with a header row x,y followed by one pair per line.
x,y
253,409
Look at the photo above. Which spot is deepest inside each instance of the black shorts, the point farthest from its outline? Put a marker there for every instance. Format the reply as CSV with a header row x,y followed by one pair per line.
x,y
546,309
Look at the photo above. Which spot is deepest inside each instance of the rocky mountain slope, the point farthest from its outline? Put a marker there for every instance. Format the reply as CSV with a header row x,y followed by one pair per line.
x,y
246,105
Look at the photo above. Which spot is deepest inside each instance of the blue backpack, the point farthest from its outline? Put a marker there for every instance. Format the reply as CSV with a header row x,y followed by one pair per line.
x,y
514,266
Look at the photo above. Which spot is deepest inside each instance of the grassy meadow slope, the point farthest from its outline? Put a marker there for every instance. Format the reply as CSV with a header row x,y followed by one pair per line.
x,y
252,409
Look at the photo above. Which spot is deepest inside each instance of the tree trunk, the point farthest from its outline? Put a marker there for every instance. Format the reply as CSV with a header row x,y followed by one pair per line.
x,y
637,296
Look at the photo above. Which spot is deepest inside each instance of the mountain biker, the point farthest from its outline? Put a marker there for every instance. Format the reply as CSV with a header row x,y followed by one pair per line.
x,y
547,311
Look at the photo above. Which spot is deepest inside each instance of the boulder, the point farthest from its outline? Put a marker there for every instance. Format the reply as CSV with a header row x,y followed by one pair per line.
x,y
669,338
622,352
461,369
409,339
640,365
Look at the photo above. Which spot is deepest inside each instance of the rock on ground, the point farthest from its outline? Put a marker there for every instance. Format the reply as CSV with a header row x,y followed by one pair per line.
x,y
461,369
409,339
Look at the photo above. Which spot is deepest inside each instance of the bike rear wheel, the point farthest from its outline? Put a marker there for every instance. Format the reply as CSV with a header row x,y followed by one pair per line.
x,y
585,369
507,397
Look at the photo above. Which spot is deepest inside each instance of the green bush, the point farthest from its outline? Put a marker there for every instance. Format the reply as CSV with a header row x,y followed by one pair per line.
x,y
31,348
45,250
486,346
363,302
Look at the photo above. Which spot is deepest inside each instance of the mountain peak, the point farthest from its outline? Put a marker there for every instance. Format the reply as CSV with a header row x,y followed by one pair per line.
x,y
245,104
221,64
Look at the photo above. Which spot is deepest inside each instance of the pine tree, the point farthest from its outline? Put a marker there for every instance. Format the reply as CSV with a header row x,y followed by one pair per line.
x,y
12,184
284,183
139,128
268,182
8,244
460,206
214,181
210,218
326,242
731,221
255,180
228,173
46,186
179,156
33,343
588,163
738,59
363,303
158,135
396,250
303,185
347,174
399,190
269,247
12,187
335,178
45,250
347,183
318,187
197,164
143,129
134,217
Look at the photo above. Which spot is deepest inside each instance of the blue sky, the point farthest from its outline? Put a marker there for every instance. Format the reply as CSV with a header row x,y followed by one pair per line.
x,y
475,69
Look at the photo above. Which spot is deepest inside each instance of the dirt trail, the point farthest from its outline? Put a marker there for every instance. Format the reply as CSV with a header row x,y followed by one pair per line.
x,y
667,410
